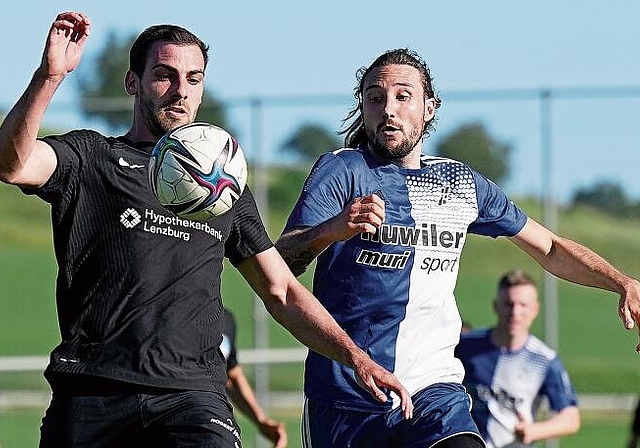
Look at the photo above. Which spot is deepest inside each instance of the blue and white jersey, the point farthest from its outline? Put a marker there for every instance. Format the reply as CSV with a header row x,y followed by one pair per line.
x,y
506,383
392,292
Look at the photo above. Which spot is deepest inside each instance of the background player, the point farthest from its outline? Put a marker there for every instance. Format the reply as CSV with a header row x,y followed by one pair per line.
x,y
240,391
508,372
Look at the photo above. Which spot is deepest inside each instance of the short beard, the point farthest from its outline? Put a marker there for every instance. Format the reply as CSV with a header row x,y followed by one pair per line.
x,y
396,153
157,122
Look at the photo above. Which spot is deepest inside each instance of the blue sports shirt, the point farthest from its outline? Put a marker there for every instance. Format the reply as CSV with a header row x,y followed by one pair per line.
x,y
506,383
392,292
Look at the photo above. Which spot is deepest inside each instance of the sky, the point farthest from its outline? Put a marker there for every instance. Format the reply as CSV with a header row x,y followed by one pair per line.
x,y
490,62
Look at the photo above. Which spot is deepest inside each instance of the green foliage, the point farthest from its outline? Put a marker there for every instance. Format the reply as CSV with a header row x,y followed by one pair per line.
x,y
104,79
472,144
311,140
212,111
608,197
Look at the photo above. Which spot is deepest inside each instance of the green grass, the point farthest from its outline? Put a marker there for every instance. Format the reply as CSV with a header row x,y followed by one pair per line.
x,y
597,351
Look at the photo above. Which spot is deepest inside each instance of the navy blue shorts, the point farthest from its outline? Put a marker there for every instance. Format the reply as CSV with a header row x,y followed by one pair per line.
x,y
180,419
441,411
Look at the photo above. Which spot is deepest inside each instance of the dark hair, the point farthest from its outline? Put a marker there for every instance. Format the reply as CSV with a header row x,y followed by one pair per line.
x,y
161,33
355,133
514,278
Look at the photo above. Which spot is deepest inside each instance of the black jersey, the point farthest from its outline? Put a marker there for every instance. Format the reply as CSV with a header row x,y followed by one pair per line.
x,y
138,289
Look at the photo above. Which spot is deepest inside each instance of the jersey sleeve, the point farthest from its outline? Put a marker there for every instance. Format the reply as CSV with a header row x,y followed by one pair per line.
x,y
248,236
70,150
557,387
325,193
497,214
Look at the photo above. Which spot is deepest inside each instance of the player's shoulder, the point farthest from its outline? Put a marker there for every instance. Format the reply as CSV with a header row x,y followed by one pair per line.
x,y
474,337
339,162
348,155
430,160
538,347
453,170
76,135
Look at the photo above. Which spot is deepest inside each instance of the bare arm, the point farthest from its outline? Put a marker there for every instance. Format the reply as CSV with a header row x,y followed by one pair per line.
x,y
563,423
576,263
24,160
295,308
299,247
241,394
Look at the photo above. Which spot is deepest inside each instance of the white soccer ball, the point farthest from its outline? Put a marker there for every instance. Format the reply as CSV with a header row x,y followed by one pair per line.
x,y
197,171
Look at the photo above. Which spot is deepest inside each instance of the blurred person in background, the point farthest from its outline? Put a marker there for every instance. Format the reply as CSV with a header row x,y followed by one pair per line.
x,y
239,389
634,433
387,224
509,371
140,311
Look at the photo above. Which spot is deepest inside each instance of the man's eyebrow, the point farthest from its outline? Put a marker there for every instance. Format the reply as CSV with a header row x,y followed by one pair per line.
x,y
173,69
398,84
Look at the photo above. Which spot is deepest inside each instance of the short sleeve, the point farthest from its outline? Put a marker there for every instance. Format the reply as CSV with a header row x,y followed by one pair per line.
x,y
326,191
497,214
248,236
557,387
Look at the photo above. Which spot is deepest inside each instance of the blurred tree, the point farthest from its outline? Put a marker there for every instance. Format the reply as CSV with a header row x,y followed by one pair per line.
x,y
310,140
606,196
101,86
472,144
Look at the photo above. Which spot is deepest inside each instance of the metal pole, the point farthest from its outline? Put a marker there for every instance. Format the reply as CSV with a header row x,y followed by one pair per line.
x,y
260,318
549,219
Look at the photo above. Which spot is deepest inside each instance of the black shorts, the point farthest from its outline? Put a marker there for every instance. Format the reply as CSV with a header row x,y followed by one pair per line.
x,y
173,419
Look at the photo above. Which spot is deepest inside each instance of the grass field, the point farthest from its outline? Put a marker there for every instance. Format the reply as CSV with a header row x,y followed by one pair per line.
x,y
597,351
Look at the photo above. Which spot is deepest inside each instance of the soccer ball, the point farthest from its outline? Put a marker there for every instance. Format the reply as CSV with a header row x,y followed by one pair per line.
x,y
197,171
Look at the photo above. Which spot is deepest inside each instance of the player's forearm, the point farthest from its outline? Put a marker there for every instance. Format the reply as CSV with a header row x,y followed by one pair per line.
x,y
576,263
309,322
299,247
570,260
19,130
564,423
295,308
241,394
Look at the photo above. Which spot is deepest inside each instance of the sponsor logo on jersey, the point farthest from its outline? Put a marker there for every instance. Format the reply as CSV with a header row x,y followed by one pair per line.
x,y
383,260
425,235
130,218
168,225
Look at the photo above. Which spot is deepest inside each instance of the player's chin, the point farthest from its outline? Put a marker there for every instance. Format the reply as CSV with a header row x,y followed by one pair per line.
x,y
172,120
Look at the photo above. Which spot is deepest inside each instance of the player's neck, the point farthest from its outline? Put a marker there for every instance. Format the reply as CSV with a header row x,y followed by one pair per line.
x,y
504,339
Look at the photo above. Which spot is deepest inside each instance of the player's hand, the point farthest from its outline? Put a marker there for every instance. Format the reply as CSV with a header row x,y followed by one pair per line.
x,y
65,43
373,377
629,307
524,430
274,431
363,215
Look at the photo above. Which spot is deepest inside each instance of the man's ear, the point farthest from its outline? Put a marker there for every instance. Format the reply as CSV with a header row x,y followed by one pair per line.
x,y
131,83
429,109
